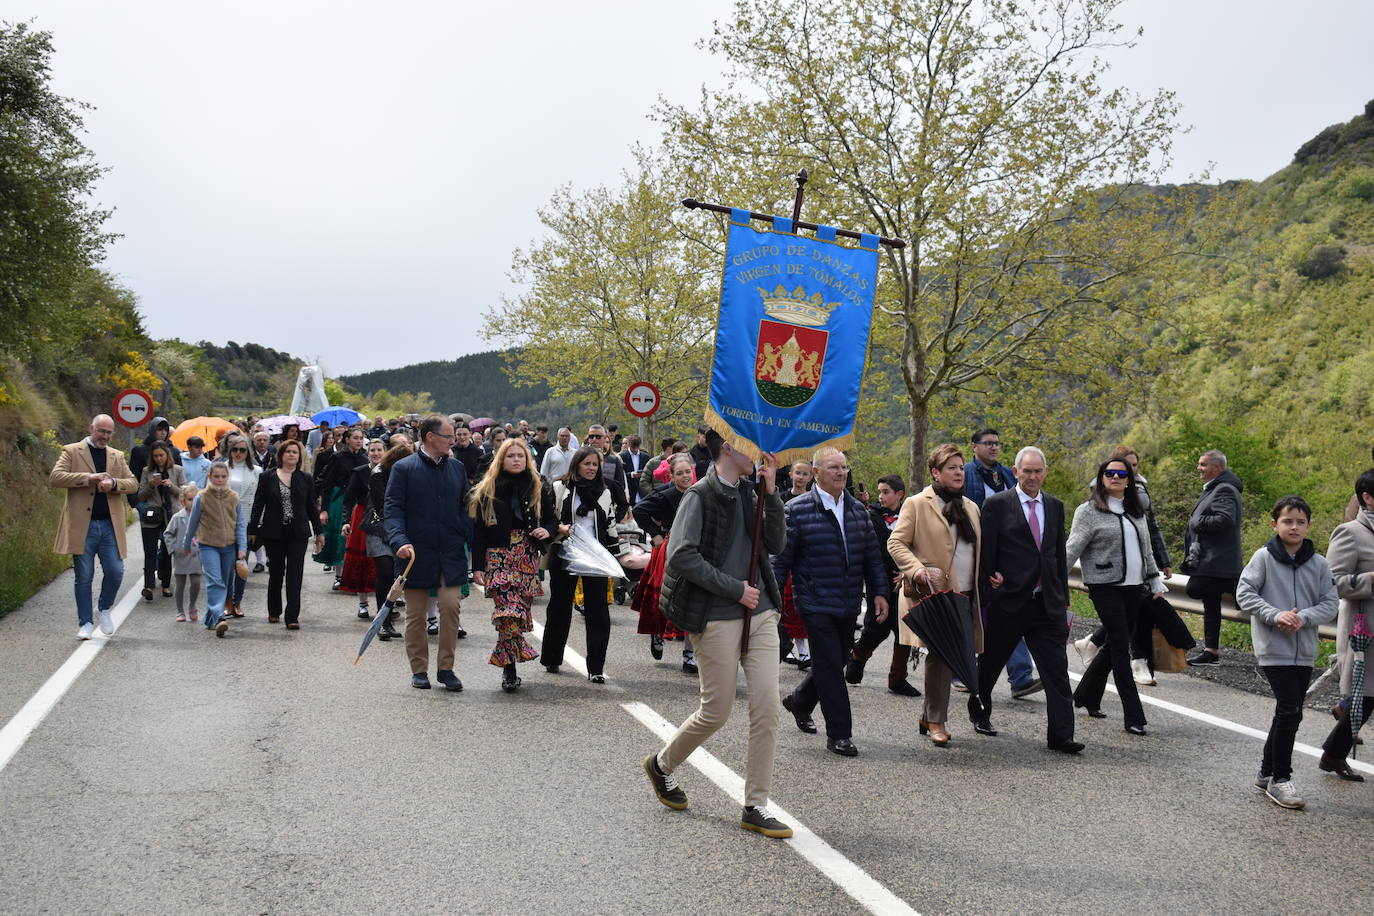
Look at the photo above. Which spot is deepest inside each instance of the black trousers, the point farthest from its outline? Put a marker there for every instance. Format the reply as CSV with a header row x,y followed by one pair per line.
x,y
1117,606
1209,590
1045,633
157,562
558,618
830,636
1338,743
285,563
386,577
874,632
1289,683
1157,613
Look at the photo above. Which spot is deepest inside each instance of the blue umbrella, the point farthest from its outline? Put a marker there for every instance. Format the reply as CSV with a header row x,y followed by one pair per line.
x,y
337,416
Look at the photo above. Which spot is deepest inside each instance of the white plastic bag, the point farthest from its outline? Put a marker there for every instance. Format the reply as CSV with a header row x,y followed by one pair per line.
x,y
584,556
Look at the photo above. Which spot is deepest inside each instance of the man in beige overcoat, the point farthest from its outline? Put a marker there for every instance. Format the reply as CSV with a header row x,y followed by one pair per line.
x,y
1351,555
92,523
937,542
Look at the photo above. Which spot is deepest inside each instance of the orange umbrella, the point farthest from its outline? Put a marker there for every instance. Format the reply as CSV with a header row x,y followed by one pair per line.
x,y
205,427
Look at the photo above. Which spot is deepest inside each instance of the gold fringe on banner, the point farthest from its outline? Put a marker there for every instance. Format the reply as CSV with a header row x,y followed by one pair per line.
x,y
786,457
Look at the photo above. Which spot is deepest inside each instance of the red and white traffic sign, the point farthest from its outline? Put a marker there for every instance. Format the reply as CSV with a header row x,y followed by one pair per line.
x,y
133,407
641,399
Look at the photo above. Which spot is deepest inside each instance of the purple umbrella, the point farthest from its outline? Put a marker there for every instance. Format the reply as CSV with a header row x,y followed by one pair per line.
x,y
481,423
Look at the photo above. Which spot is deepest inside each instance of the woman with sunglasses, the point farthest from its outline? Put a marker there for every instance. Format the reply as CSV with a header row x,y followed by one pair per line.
x,y
1110,537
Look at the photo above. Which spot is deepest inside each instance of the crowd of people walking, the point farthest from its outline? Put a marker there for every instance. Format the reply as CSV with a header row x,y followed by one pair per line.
x,y
830,577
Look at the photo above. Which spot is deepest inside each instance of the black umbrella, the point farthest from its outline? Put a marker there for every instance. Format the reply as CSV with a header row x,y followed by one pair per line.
x,y
944,621
384,613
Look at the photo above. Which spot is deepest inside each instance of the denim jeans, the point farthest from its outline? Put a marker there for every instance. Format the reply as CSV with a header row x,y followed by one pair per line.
x,y
100,542
218,565
1020,668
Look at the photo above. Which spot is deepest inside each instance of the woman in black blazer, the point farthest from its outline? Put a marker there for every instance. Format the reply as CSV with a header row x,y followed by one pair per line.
x,y
283,520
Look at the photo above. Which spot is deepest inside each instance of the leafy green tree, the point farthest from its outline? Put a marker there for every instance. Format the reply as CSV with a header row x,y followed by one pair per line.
x,y
50,232
618,292
981,132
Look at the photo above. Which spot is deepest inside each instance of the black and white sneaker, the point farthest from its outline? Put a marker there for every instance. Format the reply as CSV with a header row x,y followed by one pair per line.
x,y
656,647
1205,658
665,786
363,613
432,628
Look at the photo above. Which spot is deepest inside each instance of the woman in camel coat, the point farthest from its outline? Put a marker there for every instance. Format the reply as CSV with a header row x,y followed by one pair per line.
x,y
936,542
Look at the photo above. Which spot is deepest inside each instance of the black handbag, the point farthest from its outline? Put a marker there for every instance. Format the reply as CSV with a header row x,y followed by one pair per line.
x,y
153,515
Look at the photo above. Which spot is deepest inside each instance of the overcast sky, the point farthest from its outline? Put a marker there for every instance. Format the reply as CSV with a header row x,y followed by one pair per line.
x,y
346,181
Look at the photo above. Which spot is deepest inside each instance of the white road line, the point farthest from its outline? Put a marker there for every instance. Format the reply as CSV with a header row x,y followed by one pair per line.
x,y
849,877
18,729
1227,724
829,861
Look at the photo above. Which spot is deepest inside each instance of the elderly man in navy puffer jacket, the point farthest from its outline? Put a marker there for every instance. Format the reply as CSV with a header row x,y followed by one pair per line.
x,y
831,553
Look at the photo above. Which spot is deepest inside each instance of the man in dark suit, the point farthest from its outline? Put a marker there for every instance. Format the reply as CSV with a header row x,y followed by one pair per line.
x,y
1026,584
634,460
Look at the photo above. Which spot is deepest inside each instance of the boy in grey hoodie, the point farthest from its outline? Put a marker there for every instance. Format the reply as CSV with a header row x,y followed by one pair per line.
x,y
1287,590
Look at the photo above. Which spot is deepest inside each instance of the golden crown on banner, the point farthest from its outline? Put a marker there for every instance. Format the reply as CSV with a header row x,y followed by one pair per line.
x,y
796,307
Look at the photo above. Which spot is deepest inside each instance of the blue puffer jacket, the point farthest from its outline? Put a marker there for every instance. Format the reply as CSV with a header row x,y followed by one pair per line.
x,y
827,578
426,507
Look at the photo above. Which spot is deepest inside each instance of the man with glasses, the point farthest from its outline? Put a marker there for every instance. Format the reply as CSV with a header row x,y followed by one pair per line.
x,y
426,518
984,476
92,522
611,468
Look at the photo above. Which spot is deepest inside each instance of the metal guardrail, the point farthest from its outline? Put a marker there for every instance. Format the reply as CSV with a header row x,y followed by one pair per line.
x,y
1178,597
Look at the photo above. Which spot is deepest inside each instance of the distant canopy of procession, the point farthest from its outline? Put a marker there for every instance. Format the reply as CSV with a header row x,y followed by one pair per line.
x,y
792,339
309,397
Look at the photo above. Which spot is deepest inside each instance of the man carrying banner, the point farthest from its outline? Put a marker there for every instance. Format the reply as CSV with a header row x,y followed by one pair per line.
x,y
706,592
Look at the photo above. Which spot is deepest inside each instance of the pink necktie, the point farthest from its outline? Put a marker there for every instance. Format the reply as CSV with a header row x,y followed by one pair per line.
x,y
1034,521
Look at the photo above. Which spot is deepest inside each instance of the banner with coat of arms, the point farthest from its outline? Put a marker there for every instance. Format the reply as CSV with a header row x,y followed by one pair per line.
x,y
792,339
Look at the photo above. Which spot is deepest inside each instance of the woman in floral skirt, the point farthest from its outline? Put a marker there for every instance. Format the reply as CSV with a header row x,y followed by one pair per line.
x,y
514,519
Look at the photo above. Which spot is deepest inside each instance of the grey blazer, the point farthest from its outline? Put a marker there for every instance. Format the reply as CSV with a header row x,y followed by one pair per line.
x,y
1098,539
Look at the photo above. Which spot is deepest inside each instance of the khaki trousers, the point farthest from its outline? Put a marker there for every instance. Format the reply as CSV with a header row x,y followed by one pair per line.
x,y
718,663
417,640
938,677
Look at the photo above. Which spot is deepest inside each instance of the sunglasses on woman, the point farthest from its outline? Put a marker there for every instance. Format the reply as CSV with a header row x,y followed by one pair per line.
x,y
1113,472
239,451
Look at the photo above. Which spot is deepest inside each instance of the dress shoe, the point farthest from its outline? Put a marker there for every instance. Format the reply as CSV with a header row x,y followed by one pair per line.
x,y
853,671
804,722
842,746
656,647
1034,686
1094,712
449,680
551,669
1067,747
462,633
258,567
387,633
938,736
1136,730
1341,768
903,688
984,727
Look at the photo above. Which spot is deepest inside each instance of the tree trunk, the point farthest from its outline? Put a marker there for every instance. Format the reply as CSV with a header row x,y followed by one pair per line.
x,y
920,427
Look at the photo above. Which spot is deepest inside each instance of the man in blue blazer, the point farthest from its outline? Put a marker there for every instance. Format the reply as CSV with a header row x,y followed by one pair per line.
x,y
831,553
1026,584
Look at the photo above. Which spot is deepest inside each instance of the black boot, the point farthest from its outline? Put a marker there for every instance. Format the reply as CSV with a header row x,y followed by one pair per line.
x,y
388,632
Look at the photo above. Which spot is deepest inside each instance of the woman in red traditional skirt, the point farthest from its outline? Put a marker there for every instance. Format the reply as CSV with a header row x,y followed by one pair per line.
x,y
514,518
655,513
359,576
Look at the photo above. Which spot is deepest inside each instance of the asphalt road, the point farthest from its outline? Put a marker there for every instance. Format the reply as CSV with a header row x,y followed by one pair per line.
x,y
265,773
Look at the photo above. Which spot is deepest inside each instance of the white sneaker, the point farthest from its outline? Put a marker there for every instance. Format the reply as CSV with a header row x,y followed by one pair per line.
x,y
106,623
1284,795
1086,650
1140,670
85,631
